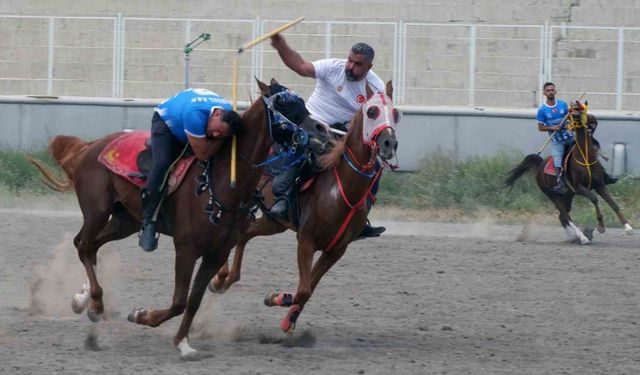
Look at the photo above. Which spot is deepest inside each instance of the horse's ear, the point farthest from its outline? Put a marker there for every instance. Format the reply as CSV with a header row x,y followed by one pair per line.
x,y
389,90
368,90
274,82
264,89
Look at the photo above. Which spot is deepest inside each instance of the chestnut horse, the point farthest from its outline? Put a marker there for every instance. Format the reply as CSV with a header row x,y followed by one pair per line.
x,y
111,205
584,173
333,210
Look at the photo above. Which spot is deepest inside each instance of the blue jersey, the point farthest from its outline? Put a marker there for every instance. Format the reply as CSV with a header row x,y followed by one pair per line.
x,y
550,116
188,112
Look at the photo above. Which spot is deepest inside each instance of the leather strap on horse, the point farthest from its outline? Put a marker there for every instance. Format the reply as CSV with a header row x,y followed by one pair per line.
x,y
584,153
353,207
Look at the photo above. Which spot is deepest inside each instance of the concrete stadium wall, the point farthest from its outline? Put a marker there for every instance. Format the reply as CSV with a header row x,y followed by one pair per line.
x,y
586,12
28,123
432,58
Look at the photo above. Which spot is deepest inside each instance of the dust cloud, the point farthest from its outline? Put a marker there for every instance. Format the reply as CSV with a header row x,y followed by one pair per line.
x,y
55,279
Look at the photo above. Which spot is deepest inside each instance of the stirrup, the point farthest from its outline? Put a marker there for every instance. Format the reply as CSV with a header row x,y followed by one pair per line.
x,y
559,188
279,216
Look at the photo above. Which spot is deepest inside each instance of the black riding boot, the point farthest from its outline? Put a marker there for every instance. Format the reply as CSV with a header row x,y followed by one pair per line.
x,y
283,185
559,187
148,238
608,180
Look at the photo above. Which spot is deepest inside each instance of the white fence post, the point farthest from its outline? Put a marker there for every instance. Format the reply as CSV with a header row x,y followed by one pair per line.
x,y
327,39
619,69
50,56
472,64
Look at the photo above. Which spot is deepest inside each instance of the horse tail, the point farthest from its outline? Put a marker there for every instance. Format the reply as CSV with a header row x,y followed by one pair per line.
x,y
530,161
67,152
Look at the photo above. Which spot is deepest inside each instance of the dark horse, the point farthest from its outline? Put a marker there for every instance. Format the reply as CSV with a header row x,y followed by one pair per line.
x,y
111,206
584,173
333,210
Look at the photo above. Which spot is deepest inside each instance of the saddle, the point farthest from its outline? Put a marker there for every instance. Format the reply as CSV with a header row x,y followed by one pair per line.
x,y
130,157
548,167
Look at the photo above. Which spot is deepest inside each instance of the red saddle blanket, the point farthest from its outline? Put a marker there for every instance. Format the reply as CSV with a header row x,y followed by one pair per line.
x,y
548,167
120,157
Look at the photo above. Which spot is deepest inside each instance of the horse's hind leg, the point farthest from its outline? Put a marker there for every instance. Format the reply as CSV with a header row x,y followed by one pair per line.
x,y
604,193
594,200
117,227
85,243
225,277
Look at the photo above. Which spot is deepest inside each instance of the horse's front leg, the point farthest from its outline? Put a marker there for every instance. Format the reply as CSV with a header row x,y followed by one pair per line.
x,y
306,250
210,264
563,204
604,193
582,190
184,265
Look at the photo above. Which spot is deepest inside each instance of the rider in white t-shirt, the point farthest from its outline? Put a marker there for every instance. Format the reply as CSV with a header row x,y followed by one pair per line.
x,y
340,91
337,97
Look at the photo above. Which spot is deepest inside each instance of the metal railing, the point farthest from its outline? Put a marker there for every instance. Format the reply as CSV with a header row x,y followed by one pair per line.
x,y
477,65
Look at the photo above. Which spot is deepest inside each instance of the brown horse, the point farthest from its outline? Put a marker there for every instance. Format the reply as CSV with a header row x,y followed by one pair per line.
x,y
333,210
584,173
111,206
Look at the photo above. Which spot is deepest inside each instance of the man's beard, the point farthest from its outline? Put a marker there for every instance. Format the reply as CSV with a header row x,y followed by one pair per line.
x,y
551,96
350,76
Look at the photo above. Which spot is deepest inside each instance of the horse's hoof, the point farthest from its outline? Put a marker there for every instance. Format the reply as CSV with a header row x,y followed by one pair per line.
x,y
584,241
187,353
213,289
94,316
135,314
288,324
76,305
602,229
269,299
588,232
628,229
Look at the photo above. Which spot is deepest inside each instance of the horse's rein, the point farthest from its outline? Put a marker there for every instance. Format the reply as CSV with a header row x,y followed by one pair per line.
x,y
584,153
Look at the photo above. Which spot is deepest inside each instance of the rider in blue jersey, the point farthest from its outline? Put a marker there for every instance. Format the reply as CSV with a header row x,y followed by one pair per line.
x,y
551,118
198,117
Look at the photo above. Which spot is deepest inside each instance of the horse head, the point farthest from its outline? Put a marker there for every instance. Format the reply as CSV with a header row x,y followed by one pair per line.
x,y
579,119
289,119
379,122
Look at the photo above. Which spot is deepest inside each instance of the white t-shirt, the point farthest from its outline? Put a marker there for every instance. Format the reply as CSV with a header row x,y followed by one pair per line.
x,y
336,99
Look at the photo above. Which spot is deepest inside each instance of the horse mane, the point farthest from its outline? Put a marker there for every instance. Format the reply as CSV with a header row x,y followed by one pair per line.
x,y
592,121
330,158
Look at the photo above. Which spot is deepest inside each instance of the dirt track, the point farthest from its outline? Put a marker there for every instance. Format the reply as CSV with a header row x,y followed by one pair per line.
x,y
456,299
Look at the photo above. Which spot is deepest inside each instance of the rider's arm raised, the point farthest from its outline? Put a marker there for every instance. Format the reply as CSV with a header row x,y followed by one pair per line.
x,y
291,58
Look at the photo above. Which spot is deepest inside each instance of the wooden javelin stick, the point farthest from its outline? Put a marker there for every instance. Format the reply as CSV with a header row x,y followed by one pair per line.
x,y
234,141
269,34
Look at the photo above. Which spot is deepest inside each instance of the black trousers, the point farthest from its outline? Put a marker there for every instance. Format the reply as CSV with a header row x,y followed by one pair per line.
x,y
165,148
